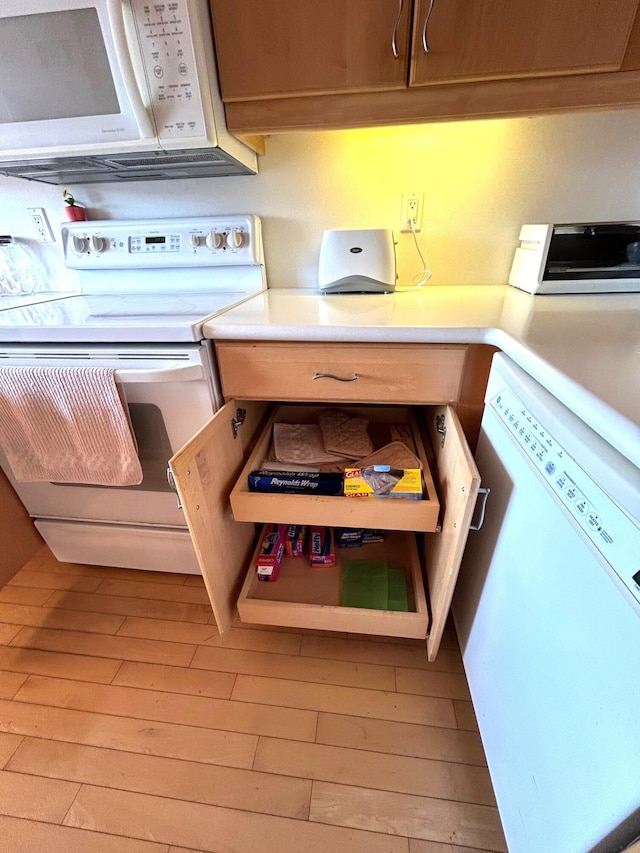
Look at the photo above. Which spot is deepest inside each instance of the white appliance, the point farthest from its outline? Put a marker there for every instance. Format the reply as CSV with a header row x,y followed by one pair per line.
x,y
112,90
148,288
596,257
357,261
547,610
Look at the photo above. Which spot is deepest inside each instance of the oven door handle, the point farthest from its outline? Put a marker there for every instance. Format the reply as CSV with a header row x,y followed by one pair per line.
x,y
184,373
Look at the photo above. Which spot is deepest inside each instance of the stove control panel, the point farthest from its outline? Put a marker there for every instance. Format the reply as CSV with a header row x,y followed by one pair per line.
x,y
608,528
155,243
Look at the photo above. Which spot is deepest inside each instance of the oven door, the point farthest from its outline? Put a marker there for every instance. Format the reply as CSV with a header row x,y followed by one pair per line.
x,y
170,393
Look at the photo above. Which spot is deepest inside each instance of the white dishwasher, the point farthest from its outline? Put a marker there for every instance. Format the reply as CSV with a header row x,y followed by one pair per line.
x,y
547,610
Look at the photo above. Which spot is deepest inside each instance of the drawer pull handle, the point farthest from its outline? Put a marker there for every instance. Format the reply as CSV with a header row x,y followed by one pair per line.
x,y
337,378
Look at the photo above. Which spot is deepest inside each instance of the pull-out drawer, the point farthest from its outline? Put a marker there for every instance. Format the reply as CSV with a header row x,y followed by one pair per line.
x,y
390,514
305,596
356,373
212,466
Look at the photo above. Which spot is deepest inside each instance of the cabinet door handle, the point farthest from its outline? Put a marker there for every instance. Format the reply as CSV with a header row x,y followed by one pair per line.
x,y
425,29
337,378
484,494
172,483
394,43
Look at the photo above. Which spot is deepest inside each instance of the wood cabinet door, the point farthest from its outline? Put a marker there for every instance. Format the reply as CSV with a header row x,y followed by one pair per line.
x,y
458,481
205,470
494,39
19,539
279,48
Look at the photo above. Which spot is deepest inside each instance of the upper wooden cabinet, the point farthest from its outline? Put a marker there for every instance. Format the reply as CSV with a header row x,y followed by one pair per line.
x,y
287,65
276,48
458,40
271,48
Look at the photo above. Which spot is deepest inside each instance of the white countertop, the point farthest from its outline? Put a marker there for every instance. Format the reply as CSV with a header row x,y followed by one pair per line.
x,y
584,349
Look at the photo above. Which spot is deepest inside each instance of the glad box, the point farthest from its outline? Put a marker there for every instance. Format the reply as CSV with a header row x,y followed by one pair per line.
x,y
383,481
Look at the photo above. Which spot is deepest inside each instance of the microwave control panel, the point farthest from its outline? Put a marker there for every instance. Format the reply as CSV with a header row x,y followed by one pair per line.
x,y
166,37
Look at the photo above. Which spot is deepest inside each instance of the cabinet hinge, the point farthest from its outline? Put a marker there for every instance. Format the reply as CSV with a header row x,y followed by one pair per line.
x,y
441,429
237,422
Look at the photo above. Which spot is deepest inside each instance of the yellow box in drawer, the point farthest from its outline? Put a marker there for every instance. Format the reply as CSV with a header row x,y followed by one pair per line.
x,y
402,432
383,481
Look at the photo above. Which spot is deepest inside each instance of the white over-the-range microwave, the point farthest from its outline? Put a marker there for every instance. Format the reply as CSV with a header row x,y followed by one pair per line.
x,y
112,90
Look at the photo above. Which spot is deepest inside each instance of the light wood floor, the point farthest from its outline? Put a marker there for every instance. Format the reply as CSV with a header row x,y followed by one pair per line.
x,y
126,726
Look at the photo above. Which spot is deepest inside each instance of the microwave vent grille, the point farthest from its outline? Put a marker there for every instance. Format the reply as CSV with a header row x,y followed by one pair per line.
x,y
146,165
163,160
37,167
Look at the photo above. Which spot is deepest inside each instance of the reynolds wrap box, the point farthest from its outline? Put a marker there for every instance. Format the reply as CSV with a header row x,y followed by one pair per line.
x,y
300,483
271,553
355,537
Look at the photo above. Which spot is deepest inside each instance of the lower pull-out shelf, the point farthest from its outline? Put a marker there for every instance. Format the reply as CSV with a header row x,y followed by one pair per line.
x,y
306,596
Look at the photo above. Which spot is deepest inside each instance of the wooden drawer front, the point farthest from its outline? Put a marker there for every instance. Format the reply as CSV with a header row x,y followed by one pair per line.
x,y
384,373
309,597
339,511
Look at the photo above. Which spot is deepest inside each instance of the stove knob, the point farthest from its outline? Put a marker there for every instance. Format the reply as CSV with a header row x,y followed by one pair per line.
x,y
214,240
97,244
79,244
235,239
194,241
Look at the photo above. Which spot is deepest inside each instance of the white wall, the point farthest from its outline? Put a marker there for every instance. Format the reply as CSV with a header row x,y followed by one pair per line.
x,y
481,181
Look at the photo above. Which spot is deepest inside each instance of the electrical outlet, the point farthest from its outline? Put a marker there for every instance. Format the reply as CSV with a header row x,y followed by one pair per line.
x,y
41,224
412,203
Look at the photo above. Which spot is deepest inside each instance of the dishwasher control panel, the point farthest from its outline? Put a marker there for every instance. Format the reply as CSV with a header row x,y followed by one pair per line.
x,y
610,530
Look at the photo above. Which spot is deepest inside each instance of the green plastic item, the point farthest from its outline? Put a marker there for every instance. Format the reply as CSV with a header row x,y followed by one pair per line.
x,y
397,599
373,585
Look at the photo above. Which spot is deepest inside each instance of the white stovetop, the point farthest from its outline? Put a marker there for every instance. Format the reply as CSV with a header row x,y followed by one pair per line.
x,y
8,301
118,318
584,349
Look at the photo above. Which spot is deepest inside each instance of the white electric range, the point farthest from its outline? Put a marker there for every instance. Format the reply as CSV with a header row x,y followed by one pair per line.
x,y
147,288
144,281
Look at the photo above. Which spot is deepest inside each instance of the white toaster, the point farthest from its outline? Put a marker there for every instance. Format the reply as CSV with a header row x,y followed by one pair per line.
x,y
360,261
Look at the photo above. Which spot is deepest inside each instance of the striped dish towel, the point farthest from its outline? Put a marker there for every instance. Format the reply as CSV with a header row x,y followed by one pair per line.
x,y
67,425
